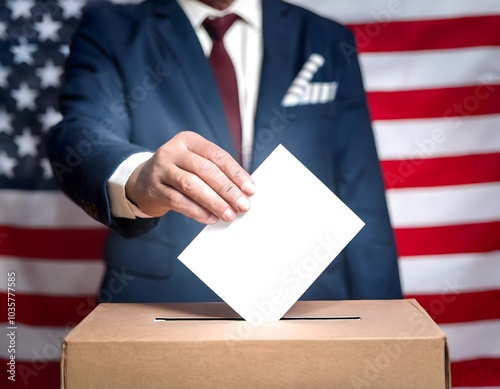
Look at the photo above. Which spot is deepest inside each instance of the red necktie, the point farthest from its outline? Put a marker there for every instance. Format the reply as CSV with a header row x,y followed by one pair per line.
x,y
225,75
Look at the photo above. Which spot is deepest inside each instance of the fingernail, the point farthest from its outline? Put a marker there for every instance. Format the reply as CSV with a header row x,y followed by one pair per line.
x,y
212,219
229,215
249,187
243,204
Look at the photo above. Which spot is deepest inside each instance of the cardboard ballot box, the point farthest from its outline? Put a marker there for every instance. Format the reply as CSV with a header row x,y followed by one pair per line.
x,y
321,344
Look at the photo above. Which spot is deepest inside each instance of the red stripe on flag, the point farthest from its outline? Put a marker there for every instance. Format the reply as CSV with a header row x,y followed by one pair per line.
x,y
435,103
428,172
465,238
51,311
477,372
62,244
38,374
450,307
386,36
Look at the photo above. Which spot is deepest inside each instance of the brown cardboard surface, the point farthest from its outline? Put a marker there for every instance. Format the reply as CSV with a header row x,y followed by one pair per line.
x,y
321,344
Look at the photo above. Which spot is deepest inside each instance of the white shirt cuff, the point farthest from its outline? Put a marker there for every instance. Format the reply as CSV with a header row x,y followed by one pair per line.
x,y
120,205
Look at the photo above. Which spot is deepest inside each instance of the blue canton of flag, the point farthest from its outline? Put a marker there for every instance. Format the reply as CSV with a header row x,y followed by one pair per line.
x,y
34,41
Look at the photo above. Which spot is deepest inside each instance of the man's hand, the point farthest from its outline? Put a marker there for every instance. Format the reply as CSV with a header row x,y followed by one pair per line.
x,y
193,176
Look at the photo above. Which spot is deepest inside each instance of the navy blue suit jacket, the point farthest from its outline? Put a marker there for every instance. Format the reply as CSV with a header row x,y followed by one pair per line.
x,y
137,75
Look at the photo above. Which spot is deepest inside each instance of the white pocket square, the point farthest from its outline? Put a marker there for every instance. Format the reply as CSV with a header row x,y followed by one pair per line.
x,y
303,91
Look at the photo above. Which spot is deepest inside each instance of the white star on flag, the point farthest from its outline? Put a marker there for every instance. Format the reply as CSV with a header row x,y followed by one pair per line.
x,y
4,73
27,144
25,97
3,30
47,169
20,8
24,52
50,75
6,122
64,50
50,118
47,28
7,165
71,8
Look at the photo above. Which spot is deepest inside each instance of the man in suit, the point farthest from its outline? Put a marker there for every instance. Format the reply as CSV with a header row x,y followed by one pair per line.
x,y
145,145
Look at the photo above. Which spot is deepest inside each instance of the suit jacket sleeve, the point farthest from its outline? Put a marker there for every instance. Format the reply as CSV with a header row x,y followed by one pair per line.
x,y
93,139
371,256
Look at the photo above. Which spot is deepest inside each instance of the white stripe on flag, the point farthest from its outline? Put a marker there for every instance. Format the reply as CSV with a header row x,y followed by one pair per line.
x,y
430,69
473,340
450,274
58,278
51,209
442,137
444,205
34,344
383,11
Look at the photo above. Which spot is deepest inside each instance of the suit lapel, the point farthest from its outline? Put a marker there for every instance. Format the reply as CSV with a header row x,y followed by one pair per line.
x,y
175,31
281,61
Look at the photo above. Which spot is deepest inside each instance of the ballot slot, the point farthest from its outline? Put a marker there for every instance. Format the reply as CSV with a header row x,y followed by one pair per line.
x,y
169,319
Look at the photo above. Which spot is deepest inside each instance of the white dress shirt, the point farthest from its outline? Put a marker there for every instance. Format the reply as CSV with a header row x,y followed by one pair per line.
x,y
243,42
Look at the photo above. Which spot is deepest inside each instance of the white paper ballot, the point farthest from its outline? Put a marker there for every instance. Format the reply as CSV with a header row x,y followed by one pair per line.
x,y
262,262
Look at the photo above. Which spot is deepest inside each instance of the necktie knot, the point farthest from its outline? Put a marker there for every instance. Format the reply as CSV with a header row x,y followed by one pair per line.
x,y
217,27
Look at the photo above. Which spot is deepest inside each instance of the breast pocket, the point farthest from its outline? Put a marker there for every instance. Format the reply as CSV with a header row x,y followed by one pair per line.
x,y
312,93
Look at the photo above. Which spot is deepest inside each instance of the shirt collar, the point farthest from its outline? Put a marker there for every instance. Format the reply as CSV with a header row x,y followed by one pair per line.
x,y
248,10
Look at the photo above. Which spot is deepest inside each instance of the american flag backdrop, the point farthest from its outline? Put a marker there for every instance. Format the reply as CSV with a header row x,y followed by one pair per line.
x,y
432,73
53,247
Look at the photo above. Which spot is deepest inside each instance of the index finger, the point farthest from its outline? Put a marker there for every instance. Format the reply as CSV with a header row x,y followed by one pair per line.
x,y
224,161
